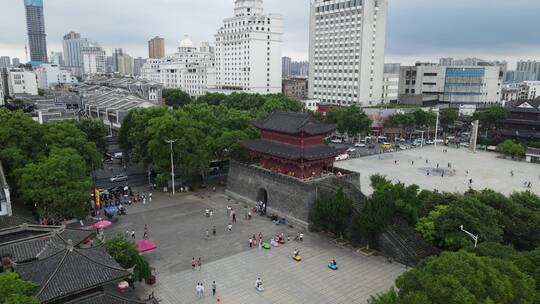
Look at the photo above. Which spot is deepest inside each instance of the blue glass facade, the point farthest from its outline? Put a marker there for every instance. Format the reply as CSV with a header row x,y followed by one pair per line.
x,y
33,2
465,72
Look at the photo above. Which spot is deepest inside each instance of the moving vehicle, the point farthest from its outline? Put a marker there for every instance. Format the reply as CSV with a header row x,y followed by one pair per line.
x,y
342,157
350,150
360,145
118,155
336,141
118,178
386,145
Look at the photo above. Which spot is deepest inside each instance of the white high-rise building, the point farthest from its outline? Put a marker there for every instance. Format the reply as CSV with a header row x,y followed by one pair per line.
x,y
346,51
21,81
49,75
72,45
1,91
93,59
123,63
248,50
190,69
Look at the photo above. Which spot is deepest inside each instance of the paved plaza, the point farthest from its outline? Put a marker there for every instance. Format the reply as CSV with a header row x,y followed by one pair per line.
x,y
177,225
486,169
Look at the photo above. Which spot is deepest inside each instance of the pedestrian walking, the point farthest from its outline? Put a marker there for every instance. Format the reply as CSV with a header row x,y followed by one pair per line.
x,y
214,231
133,234
234,217
437,165
230,227
150,197
250,243
193,264
202,290
413,162
427,161
229,209
214,288
512,173
211,213
199,263
198,290
207,234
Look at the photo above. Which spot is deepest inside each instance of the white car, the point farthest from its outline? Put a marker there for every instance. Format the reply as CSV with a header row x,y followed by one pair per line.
x,y
336,141
118,178
360,145
342,157
430,142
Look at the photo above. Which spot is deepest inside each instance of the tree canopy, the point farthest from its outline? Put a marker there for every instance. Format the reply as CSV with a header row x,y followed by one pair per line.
x,y
175,97
462,277
57,186
490,118
14,290
332,213
349,120
123,251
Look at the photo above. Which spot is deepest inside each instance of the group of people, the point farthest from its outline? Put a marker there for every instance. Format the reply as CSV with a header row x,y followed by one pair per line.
x,y
200,289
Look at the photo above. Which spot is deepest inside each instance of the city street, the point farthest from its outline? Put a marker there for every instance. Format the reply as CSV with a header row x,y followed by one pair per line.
x,y
177,225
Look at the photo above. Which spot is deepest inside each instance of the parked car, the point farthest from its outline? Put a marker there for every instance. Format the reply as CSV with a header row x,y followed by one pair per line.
x,y
360,145
430,142
342,157
118,155
336,141
350,150
118,178
386,145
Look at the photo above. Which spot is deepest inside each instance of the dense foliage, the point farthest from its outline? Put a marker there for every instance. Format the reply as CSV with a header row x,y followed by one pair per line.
x,y
490,118
175,97
207,129
14,290
462,277
332,213
49,165
349,120
123,251
509,148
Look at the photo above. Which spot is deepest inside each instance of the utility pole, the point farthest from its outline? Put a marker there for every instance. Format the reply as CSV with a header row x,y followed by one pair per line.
x,y
436,127
172,162
474,237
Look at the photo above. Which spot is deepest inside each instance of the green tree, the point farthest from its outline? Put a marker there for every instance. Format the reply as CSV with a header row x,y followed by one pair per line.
x,y
491,118
424,119
95,131
475,216
14,290
509,148
65,134
57,186
123,251
426,225
461,277
332,213
448,117
176,97
349,120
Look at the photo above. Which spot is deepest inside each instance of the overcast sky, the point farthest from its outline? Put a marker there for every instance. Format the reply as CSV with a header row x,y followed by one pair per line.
x,y
417,29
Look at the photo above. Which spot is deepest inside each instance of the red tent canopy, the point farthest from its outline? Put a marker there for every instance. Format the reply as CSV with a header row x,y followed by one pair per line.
x,y
145,245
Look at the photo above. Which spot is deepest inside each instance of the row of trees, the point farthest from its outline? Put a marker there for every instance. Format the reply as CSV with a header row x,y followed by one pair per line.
x,y
49,165
510,148
205,129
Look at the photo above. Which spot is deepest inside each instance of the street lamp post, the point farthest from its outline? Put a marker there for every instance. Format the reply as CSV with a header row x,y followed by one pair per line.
x,y
172,162
474,237
436,127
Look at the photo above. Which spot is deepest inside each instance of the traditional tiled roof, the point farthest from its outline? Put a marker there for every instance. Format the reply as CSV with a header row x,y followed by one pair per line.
x,y
29,242
533,151
10,221
293,123
71,271
289,151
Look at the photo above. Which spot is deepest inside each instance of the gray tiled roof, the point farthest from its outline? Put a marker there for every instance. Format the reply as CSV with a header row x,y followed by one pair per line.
x,y
70,272
293,123
25,243
104,298
289,151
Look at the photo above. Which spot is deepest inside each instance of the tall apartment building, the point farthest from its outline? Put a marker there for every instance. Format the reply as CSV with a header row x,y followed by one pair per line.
x,y
156,48
21,81
286,66
300,68
190,69
123,63
138,64
248,50
93,59
56,58
35,25
72,44
5,62
529,67
456,85
346,51
2,94
15,62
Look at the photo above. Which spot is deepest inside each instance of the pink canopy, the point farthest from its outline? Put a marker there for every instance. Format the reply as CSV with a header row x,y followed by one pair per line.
x,y
145,245
102,225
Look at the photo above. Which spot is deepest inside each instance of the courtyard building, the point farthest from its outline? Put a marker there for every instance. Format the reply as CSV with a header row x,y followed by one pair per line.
x,y
523,121
346,51
190,69
248,50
